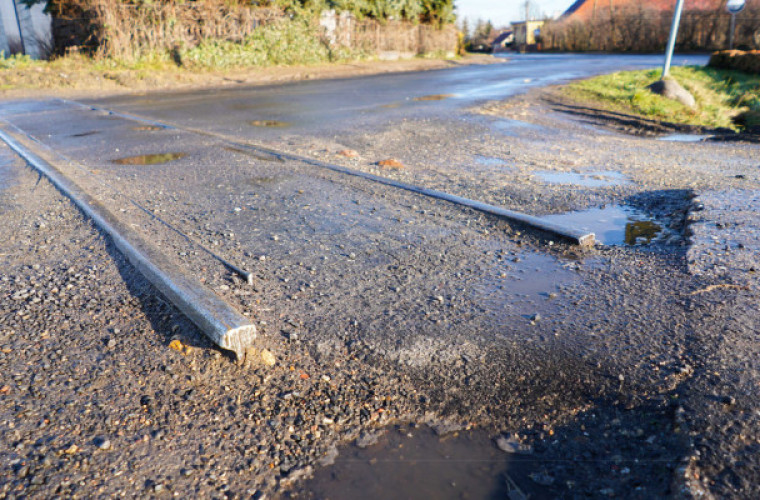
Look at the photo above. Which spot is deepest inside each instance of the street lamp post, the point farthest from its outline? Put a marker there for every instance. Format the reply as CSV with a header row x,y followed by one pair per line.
x,y
672,39
733,7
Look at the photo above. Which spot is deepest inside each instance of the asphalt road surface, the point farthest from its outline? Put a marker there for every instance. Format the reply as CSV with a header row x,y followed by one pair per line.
x,y
627,370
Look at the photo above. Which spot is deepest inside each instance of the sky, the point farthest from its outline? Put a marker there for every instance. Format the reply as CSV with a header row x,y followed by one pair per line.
x,y
502,12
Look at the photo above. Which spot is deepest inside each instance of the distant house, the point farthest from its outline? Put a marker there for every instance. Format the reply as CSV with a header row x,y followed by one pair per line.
x,y
526,34
24,30
585,10
502,42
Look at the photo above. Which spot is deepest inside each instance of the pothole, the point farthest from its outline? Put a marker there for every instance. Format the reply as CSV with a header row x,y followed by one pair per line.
x,y
510,126
433,97
408,461
612,224
526,285
152,159
586,179
269,123
490,161
85,134
148,128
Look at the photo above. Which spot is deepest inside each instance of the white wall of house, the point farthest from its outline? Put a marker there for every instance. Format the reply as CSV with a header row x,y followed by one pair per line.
x,y
36,32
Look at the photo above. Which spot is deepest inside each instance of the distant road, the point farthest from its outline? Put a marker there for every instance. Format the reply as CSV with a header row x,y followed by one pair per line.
x,y
330,106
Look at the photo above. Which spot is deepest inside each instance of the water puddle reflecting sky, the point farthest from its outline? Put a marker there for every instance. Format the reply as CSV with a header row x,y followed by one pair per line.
x,y
612,224
512,127
684,138
415,463
525,284
491,161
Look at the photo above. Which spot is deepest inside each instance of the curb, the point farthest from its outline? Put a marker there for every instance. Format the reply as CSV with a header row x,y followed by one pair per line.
x,y
216,319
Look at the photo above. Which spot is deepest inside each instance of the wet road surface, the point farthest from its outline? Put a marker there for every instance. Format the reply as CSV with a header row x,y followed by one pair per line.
x,y
492,325
333,106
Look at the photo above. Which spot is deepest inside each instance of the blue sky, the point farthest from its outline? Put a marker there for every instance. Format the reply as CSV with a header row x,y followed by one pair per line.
x,y
501,12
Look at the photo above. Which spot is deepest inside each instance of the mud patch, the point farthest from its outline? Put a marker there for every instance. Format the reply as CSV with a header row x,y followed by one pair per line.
x,y
612,224
152,159
269,123
409,461
585,179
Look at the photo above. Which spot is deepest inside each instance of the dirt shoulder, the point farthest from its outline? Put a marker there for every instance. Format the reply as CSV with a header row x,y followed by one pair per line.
x,y
75,80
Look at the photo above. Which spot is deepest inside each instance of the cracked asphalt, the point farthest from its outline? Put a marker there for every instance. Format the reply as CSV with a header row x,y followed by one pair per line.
x,y
627,371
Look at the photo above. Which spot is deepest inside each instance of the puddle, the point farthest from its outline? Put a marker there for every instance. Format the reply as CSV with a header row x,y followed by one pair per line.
x,y
269,123
612,225
85,134
253,154
684,138
433,97
148,128
522,285
154,159
509,127
414,463
490,161
587,179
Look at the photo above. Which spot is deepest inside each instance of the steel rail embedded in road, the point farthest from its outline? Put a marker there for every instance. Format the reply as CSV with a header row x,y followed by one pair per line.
x,y
579,237
216,319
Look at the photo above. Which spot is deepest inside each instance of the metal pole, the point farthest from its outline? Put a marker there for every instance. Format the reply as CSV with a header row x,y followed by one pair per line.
x,y
731,32
18,23
672,39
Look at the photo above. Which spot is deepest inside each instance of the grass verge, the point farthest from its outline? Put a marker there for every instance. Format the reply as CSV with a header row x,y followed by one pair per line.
x,y
725,99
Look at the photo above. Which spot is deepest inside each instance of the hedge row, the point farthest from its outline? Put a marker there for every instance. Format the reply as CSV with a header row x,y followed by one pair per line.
x,y
739,60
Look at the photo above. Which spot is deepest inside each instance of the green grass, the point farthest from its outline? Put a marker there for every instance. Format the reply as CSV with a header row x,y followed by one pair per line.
x,y
724,98
16,61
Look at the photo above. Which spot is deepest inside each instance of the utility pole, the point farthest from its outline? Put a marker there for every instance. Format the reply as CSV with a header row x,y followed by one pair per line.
x,y
18,23
672,39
